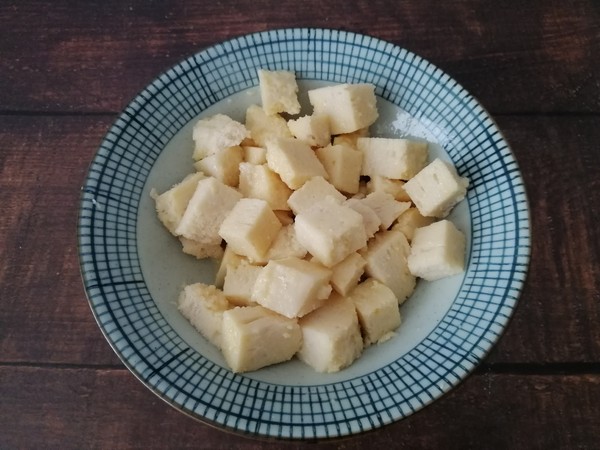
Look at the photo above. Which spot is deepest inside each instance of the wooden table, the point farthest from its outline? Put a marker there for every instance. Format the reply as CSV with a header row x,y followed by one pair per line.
x,y
68,68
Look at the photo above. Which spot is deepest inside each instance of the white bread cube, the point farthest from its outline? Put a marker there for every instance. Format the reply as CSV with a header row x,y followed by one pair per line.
x,y
349,107
171,205
200,250
239,283
292,287
254,154
315,189
331,337
346,274
436,189
223,165
393,187
228,260
264,127
386,257
203,306
343,165
410,220
437,251
278,91
371,220
254,337
284,246
350,139
398,159
210,204
258,181
294,161
314,130
377,309
216,133
386,208
250,228
330,231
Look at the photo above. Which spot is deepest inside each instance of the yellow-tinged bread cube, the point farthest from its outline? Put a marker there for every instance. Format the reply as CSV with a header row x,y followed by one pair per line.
x,y
437,251
393,187
255,337
228,260
278,91
436,189
254,154
200,250
211,202
314,130
216,133
292,286
350,139
371,220
294,161
399,159
330,231
349,107
223,165
239,283
386,257
171,205
377,309
250,228
331,337
203,306
343,165
315,189
285,245
346,274
258,181
264,127
385,206
409,221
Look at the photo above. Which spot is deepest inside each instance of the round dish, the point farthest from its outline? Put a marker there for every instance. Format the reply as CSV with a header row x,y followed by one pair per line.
x,y
132,269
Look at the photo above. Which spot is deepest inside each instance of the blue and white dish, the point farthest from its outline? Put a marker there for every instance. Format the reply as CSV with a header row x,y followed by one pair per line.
x,y
133,269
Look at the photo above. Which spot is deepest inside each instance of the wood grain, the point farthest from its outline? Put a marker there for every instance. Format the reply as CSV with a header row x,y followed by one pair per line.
x,y
45,317
85,408
537,57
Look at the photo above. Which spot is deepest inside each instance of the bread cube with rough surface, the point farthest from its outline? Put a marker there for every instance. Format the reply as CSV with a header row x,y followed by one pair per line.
x,y
330,231
346,274
331,338
314,130
250,228
349,107
239,283
350,139
436,189
255,337
223,165
385,206
216,133
254,154
284,246
398,159
258,181
395,188
278,91
386,257
203,306
171,205
343,165
228,260
264,127
371,220
409,221
292,286
437,251
314,190
200,250
210,204
294,161
377,309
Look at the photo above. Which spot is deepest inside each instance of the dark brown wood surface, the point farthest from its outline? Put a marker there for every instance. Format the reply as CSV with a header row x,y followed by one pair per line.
x,y
68,68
